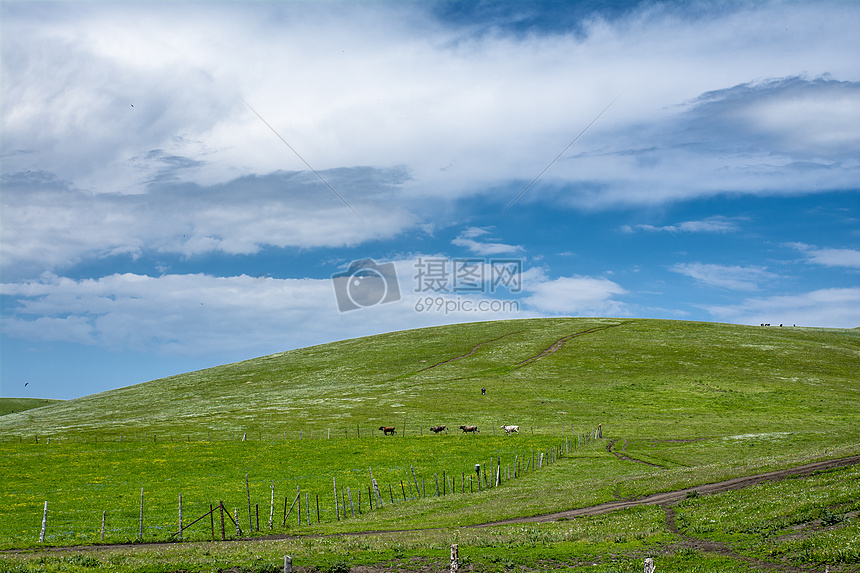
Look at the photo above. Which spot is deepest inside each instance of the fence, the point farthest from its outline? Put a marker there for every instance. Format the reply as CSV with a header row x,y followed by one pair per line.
x,y
356,432
262,512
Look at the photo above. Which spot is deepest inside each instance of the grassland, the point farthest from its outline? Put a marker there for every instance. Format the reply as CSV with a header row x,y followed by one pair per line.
x,y
12,405
697,402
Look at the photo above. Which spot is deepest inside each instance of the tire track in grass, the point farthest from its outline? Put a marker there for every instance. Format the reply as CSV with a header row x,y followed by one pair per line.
x,y
663,499
470,353
669,497
557,345
721,548
625,457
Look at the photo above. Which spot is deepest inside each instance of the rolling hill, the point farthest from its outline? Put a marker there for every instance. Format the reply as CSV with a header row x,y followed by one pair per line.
x,y
643,378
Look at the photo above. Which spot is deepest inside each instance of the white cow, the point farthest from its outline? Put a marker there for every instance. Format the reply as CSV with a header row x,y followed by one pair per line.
x,y
509,429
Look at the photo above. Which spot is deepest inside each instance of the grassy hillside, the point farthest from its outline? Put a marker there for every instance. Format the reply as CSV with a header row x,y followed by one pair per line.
x,y
13,405
637,377
680,403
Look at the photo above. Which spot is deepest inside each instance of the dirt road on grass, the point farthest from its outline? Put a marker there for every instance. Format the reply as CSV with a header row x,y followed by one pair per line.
x,y
664,499
677,495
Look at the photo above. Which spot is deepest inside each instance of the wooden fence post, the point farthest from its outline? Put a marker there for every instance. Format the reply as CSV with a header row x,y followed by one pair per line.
x,y
212,522
248,493
308,505
318,508
351,507
288,564
104,515
140,528
336,505
299,501
180,517
44,523
375,490
417,490
272,506
223,534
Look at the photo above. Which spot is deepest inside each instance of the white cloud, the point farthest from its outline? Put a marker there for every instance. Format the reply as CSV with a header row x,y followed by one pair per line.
x,y
200,314
835,308
463,112
466,239
715,224
830,257
47,224
576,296
729,277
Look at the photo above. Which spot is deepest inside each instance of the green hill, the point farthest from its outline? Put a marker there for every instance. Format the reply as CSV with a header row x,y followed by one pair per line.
x,y
636,377
13,405
680,404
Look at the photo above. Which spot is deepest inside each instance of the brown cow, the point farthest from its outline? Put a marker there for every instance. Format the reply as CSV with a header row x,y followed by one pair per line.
x,y
437,429
387,430
467,429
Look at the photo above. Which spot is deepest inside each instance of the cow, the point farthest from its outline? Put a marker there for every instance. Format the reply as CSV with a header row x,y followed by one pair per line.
x,y
387,430
469,429
509,429
437,429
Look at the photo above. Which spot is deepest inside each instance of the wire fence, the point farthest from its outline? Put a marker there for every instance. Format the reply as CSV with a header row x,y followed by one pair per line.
x,y
249,509
341,433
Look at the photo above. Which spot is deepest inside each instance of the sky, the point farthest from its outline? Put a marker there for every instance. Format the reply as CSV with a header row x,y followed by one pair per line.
x,y
188,184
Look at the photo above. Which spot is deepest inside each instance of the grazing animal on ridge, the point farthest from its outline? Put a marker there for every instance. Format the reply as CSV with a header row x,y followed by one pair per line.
x,y
509,429
387,430
469,429
437,429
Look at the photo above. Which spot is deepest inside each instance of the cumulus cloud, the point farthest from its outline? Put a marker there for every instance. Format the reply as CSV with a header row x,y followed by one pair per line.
x,y
835,307
201,314
464,110
732,277
576,296
47,223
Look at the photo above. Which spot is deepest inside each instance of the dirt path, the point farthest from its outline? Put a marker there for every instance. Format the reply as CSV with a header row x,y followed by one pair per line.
x,y
624,456
669,497
665,499
556,346
471,352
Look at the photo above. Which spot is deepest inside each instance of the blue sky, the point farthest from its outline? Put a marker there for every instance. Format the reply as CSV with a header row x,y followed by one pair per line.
x,y
181,180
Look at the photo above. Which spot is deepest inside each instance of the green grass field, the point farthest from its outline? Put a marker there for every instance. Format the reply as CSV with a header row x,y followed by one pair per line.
x,y
13,405
699,402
